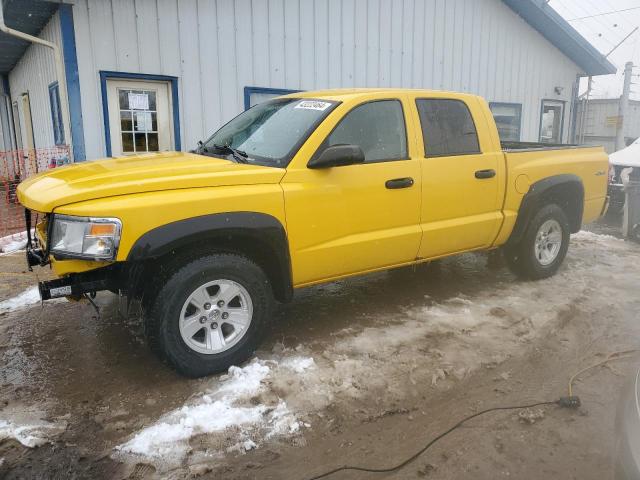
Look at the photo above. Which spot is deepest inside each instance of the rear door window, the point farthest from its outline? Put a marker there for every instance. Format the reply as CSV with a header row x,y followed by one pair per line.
x,y
377,127
447,128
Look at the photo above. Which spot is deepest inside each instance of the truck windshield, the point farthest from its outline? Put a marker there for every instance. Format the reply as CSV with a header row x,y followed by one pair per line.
x,y
270,133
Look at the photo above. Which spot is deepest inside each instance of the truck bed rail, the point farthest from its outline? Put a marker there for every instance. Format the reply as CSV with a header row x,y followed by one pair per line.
x,y
537,146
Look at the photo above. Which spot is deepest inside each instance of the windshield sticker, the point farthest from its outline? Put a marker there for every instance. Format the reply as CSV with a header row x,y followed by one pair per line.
x,y
313,105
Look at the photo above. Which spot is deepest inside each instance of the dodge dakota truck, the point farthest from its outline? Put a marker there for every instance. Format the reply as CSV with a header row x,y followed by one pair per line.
x,y
299,190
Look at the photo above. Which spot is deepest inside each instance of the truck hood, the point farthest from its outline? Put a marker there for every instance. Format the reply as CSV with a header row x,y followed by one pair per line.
x,y
137,174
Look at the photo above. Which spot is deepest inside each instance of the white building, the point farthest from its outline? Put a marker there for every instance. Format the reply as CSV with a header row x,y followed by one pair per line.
x,y
161,74
597,125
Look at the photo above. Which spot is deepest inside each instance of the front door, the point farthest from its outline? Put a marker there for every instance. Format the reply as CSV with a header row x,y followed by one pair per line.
x,y
462,178
140,117
351,219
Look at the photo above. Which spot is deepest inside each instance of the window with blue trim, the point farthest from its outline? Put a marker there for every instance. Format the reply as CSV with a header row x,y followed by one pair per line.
x,y
256,95
56,114
508,117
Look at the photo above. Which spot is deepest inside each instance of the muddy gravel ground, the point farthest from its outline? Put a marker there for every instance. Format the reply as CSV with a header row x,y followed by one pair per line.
x,y
362,372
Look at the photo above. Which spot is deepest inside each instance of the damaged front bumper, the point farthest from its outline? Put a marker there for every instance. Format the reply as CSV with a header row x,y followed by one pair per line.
x,y
111,276
37,254
76,285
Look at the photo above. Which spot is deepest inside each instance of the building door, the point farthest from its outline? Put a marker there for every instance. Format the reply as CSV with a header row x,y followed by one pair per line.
x,y
29,141
551,121
23,126
140,117
16,125
5,124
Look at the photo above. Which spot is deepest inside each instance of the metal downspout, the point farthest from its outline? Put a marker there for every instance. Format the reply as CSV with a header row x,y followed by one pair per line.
x,y
62,82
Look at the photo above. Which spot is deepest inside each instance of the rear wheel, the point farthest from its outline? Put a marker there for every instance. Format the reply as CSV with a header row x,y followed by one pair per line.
x,y
210,314
543,247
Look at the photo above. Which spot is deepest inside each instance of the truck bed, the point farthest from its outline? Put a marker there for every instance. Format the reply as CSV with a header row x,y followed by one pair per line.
x,y
530,162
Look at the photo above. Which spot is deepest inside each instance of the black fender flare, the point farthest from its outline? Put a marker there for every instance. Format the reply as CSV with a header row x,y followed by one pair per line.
x,y
538,195
261,230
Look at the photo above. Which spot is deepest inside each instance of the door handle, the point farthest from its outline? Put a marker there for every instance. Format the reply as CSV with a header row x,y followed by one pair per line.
x,y
399,183
490,173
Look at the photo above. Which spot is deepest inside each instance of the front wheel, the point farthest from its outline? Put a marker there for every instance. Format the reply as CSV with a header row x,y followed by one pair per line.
x,y
210,314
543,247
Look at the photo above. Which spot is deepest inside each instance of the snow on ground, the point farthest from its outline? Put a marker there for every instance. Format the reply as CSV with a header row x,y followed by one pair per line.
x,y
27,298
230,405
28,427
13,243
14,246
369,369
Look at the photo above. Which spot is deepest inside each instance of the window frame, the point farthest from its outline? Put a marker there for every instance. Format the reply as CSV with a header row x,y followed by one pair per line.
x,y
509,104
268,90
58,130
174,101
473,121
323,144
564,107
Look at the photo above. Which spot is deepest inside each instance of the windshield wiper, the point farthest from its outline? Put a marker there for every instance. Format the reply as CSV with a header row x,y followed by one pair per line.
x,y
238,155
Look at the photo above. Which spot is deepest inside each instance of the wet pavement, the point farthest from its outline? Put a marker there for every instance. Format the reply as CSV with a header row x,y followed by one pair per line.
x,y
64,364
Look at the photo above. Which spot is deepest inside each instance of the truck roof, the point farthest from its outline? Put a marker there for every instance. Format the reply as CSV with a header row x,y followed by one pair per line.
x,y
342,94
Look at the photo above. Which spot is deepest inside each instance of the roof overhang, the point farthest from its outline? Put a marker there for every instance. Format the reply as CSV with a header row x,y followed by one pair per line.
x,y
28,16
557,30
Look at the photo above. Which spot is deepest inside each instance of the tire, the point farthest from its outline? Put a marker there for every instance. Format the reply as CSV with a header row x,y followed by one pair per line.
x,y
195,333
526,259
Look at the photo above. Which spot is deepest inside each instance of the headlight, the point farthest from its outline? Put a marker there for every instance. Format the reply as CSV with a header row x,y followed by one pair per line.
x,y
84,237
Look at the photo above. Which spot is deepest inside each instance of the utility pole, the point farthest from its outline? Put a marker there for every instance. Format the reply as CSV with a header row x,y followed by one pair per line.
x,y
585,107
623,106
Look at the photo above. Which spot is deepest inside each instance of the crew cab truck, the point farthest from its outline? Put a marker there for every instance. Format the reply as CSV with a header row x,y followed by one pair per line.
x,y
303,189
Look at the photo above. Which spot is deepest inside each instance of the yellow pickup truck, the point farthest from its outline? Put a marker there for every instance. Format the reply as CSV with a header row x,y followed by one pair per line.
x,y
303,189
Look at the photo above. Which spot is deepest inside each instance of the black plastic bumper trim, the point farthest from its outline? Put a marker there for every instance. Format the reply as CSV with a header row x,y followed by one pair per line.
x,y
107,278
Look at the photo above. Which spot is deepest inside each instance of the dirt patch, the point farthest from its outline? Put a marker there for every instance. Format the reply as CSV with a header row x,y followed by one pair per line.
x,y
15,277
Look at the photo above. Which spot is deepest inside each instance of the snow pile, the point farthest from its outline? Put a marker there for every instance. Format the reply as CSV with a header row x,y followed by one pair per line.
x,y
298,364
230,406
28,297
14,246
35,434
585,238
13,243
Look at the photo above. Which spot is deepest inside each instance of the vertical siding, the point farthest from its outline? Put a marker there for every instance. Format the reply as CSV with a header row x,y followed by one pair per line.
x,y
35,71
217,47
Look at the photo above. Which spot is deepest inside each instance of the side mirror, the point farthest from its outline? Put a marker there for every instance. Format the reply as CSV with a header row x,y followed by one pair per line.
x,y
338,156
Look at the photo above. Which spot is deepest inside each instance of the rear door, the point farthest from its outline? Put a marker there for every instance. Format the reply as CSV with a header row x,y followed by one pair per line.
x,y
350,219
462,175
